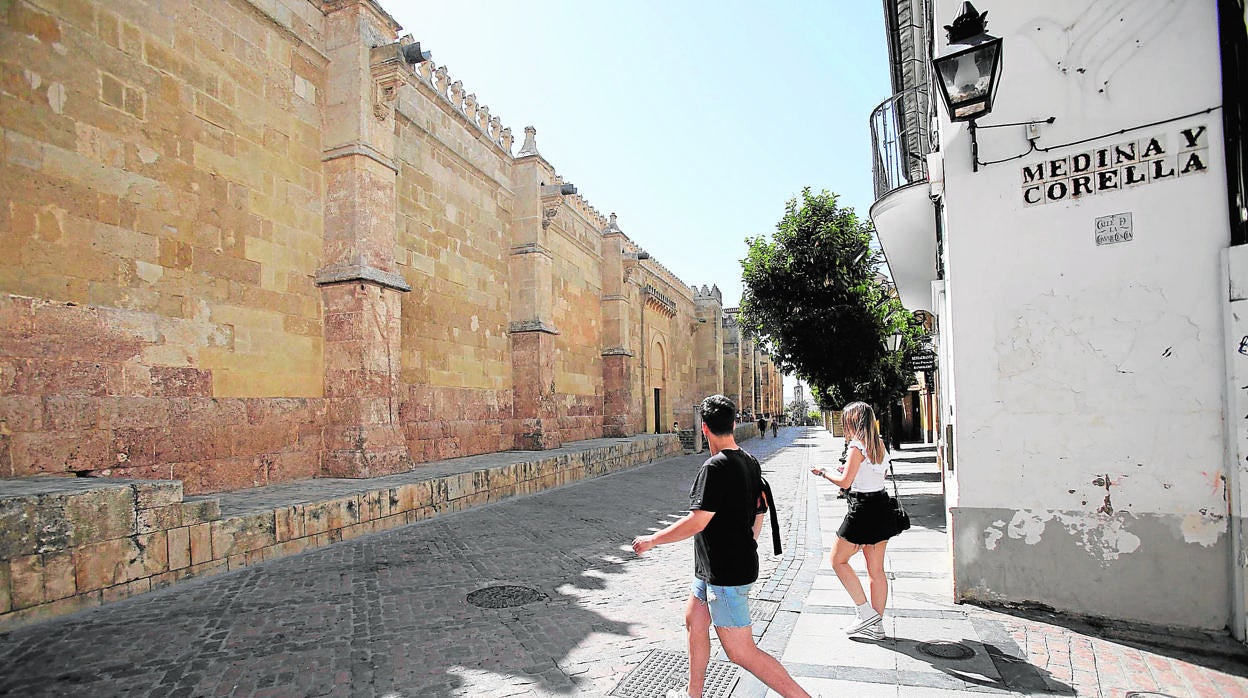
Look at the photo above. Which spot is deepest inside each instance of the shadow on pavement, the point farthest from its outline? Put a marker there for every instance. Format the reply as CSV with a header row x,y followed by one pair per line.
x,y
915,477
926,510
1211,650
1016,674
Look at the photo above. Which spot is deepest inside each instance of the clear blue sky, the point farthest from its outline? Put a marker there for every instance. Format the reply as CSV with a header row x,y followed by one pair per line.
x,y
694,121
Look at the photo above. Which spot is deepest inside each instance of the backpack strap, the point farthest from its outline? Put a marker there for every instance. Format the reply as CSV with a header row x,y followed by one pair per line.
x,y
775,519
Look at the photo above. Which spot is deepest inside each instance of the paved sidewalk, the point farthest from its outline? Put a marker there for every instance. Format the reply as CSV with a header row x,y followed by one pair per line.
x,y
935,648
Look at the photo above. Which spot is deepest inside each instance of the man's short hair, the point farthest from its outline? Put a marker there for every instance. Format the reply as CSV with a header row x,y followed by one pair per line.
x,y
719,415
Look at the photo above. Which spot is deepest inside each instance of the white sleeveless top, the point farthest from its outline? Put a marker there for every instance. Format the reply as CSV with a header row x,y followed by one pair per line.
x,y
870,477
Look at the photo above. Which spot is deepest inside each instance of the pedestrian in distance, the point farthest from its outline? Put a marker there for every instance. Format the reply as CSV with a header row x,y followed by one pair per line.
x,y
869,522
762,427
727,503
775,428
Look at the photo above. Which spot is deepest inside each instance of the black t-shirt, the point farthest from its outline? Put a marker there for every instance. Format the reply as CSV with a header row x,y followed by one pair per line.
x,y
729,484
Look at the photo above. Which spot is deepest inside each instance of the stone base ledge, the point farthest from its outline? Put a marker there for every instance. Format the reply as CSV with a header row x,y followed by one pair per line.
x,y
72,543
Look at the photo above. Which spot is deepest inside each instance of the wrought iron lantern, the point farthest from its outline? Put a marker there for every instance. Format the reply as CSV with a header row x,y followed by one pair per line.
x,y
968,70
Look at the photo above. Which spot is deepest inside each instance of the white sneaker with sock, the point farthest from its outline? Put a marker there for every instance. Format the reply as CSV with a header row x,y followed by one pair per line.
x,y
862,623
866,618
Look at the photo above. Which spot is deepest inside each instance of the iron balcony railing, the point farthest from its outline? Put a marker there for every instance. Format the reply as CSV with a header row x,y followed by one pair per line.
x,y
900,140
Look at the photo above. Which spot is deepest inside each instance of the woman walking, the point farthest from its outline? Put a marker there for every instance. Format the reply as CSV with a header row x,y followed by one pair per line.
x,y
869,522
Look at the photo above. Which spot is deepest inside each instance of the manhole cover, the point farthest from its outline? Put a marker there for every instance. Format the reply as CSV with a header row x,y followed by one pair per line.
x,y
663,670
946,650
504,596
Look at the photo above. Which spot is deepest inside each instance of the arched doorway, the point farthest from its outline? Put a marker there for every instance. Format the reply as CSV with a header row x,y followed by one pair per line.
x,y
658,386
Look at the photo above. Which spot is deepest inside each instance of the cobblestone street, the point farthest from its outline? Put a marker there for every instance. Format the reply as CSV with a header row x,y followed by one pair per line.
x,y
386,614
389,616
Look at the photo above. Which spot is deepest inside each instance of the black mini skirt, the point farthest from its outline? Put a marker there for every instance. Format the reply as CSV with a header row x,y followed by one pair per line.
x,y
869,519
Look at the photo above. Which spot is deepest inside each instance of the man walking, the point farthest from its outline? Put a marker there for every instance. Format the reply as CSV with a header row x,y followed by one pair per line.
x,y
727,507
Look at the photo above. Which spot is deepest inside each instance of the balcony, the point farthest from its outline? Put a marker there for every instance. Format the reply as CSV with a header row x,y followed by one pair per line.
x,y
903,214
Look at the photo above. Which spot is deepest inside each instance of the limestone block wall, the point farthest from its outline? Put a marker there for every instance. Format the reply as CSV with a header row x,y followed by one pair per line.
x,y
161,220
454,208
84,390
577,295
247,243
732,356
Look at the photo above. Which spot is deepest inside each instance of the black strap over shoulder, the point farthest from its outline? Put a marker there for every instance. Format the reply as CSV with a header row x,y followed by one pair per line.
x,y
775,519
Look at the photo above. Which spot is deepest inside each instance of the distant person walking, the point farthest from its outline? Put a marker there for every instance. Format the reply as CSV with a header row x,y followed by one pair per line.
x,y
727,504
762,427
869,522
775,428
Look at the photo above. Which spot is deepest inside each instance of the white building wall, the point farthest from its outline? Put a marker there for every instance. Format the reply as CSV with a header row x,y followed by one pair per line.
x,y
1090,379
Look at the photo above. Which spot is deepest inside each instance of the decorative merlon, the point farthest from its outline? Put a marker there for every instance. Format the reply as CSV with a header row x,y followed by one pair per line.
x,y
530,143
613,227
708,293
451,91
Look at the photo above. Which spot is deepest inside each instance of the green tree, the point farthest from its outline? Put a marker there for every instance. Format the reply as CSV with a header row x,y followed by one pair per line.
x,y
815,299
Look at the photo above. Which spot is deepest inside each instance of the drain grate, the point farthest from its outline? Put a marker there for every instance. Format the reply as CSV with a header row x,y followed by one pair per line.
x,y
946,650
504,596
663,670
763,610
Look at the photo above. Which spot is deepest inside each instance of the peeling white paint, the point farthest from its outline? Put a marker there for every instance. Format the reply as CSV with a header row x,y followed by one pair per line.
x,y
1203,528
991,536
1028,525
1104,538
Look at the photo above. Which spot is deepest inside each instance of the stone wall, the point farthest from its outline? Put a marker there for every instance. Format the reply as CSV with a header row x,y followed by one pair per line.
x,y
252,242
68,543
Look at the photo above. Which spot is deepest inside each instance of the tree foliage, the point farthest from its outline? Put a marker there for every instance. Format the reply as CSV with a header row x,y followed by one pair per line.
x,y
814,298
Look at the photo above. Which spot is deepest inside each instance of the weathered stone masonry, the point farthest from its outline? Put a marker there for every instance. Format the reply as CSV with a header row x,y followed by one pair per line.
x,y
249,242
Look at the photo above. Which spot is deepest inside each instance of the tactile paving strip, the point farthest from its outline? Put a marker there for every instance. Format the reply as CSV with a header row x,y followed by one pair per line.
x,y
663,670
763,610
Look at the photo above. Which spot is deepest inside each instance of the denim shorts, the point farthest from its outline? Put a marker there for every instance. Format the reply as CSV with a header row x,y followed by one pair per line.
x,y
730,606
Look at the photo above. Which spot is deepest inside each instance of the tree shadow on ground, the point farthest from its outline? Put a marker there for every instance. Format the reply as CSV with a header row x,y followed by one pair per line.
x,y
1212,650
1016,673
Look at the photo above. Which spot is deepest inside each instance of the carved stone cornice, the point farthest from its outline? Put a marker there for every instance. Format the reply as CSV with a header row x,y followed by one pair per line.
x,y
531,326
532,248
351,273
656,300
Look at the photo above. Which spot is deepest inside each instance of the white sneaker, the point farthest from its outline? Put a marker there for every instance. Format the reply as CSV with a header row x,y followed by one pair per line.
x,y
676,693
861,623
873,632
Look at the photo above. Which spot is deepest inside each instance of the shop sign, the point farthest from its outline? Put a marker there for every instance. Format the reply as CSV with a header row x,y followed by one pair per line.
x,y
1125,165
923,362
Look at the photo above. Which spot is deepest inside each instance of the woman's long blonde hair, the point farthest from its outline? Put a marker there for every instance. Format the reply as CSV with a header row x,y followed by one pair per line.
x,y
859,420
